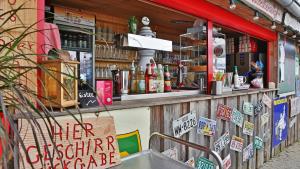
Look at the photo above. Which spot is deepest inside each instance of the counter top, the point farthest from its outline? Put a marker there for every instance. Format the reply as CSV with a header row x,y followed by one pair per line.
x,y
118,105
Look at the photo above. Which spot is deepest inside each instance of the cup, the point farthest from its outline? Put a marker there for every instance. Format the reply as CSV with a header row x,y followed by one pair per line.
x,y
242,80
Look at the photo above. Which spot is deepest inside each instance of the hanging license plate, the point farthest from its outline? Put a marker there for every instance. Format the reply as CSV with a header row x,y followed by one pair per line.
x,y
184,124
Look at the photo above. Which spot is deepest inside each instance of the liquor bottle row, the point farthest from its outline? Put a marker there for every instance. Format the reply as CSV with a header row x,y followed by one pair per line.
x,y
75,40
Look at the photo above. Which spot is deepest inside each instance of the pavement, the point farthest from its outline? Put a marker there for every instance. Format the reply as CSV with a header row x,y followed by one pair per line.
x,y
288,159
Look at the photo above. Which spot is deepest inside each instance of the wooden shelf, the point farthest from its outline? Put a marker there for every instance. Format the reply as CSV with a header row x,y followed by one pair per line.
x,y
113,60
199,68
102,42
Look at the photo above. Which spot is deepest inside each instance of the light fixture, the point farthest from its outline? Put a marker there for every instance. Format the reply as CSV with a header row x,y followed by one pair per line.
x,y
294,36
256,16
285,31
232,4
273,25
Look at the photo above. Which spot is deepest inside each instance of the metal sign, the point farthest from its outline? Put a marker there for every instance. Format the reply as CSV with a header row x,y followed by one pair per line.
x,y
295,110
264,118
258,107
267,7
248,152
227,162
258,143
224,112
267,101
184,124
221,143
237,117
206,126
280,121
203,163
248,128
236,143
248,108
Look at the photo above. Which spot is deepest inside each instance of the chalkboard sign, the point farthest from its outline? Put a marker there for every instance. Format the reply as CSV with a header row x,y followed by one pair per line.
x,y
87,98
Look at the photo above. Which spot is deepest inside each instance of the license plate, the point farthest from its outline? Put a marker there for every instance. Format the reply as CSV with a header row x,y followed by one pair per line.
x,y
184,124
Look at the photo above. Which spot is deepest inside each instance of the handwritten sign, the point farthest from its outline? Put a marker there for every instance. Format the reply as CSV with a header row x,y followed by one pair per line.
x,y
171,153
237,117
227,162
90,145
264,118
184,124
224,112
206,126
258,143
87,99
248,128
258,107
248,108
221,143
267,101
236,144
203,163
248,152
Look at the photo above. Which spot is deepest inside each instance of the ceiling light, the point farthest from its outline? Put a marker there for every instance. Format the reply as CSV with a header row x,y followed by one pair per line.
x,y
273,25
232,4
256,16
285,31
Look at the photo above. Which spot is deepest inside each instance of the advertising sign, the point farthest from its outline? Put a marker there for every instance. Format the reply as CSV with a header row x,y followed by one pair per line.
x,y
224,112
248,108
184,124
237,117
91,144
206,126
248,128
222,142
280,121
248,152
236,144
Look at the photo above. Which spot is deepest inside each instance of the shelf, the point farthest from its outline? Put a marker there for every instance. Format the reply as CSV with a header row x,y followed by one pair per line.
x,y
102,42
113,60
199,68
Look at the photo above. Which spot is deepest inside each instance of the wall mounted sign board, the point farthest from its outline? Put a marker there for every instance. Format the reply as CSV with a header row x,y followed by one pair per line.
x,y
206,126
280,121
184,124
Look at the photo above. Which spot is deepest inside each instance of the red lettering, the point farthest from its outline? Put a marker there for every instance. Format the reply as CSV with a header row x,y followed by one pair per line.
x,y
78,148
111,157
13,18
66,152
76,131
110,141
103,159
97,144
67,132
75,163
92,161
88,129
2,42
47,154
30,45
60,154
66,164
21,46
56,133
12,2
37,156
88,147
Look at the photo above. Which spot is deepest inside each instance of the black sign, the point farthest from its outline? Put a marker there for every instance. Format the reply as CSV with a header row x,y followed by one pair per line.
x,y
87,98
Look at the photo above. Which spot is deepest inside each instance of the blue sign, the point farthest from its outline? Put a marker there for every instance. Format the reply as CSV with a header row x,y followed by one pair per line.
x,y
280,121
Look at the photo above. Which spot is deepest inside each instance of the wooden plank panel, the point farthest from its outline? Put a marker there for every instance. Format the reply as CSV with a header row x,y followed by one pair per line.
x,y
259,132
156,125
242,164
201,109
253,119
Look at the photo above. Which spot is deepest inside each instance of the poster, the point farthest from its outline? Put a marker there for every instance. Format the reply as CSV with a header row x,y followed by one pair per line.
x,y
248,152
98,133
237,117
286,64
227,162
222,142
206,126
236,143
280,121
248,108
184,124
248,128
203,163
258,143
224,112
264,119
267,101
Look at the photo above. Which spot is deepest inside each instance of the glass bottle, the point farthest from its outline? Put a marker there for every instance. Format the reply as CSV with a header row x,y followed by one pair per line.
x,y
141,85
236,78
70,40
167,79
133,79
160,79
154,76
148,79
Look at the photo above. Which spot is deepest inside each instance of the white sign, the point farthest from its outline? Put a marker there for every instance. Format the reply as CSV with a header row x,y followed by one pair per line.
x,y
236,144
295,110
267,101
171,153
264,119
227,162
267,7
184,124
293,122
291,22
248,152
221,143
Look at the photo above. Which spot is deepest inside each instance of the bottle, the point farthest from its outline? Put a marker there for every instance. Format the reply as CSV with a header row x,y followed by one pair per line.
x,y
180,75
167,79
70,40
160,79
141,85
236,78
65,40
80,41
154,75
149,79
133,80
